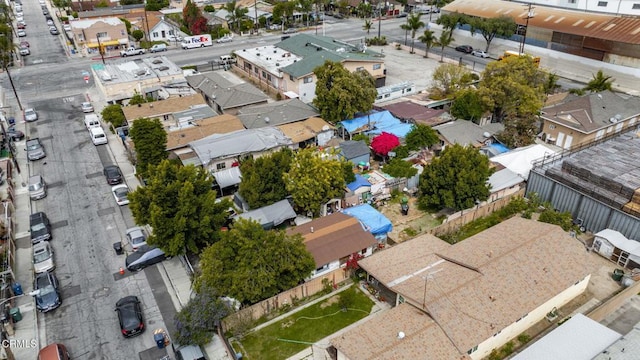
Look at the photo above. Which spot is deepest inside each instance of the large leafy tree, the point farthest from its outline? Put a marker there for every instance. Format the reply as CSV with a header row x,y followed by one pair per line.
x,y
399,168
283,10
312,180
156,5
600,82
251,264
450,21
468,105
421,136
262,182
519,131
150,141
180,206
193,19
449,79
114,115
512,87
456,179
413,25
196,322
503,26
341,94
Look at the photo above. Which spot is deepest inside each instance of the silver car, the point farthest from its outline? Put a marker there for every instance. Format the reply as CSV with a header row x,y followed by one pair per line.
x,y
30,114
43,257
87,107
37,187
35,150
136,237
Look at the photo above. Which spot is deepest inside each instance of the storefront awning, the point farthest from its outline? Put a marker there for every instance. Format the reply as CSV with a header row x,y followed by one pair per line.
x,y
104,43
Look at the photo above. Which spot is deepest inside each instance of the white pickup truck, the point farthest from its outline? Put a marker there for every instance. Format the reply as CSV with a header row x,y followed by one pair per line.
x,y
131,52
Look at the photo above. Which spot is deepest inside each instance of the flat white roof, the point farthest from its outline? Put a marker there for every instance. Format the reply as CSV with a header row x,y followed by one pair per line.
x,y
268,57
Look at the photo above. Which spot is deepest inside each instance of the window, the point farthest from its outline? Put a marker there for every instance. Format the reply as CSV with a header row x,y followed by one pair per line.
x,y
551,126
308,79
221,166
635,6
363,251
571,1
602,3
123,32
359,68
472,350
291,77
155,34
322,268
101,35
377,66
264,74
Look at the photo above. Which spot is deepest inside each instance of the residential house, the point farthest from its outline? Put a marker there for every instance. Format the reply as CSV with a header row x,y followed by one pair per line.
x,y
504,182
357,152
221,151
288,65
392,92
332,240
224,95
410,112
467,133
163,28
136,15
358,191
221,124
89,35
276,113
462,301
373,220
582,119
375,123
270,216
163,109
311,132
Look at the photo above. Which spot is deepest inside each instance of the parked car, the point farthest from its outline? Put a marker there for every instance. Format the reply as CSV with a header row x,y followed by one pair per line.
x,y
40,227
175,38
21,25
464,48
144,256
87,107
35,150
290,31
130,316
48,292
43,257
45,12
136,237
113,174
30,114
120,193
37,187
275,27
24,51
188,352
225,39
479,53
24,43
66,27
50,22
158,48
54,30
15,135
21,33
54,352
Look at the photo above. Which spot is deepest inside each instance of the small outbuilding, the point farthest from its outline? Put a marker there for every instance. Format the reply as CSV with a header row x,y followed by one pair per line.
x,y
373,220
617,248
270,216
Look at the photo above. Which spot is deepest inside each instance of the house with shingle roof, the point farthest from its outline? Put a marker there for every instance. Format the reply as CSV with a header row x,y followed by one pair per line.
x,y
314,132
332,239
221,124
223,95
462,301
582,119
467,133
162,109
276,113
288,65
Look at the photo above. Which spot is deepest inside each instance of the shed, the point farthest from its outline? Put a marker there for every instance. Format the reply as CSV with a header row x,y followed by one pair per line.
x,y
373,220
616,247
376,123
271,215
228,177
355,151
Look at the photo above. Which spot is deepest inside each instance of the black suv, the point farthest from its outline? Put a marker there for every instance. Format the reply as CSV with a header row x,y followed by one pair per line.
x,y
48,294
40,227
113,174
465,49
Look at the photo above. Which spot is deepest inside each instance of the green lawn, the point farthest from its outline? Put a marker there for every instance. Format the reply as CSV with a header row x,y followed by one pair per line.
x,y
308,326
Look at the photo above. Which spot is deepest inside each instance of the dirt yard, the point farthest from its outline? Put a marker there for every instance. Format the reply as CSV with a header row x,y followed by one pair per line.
x,y
407,226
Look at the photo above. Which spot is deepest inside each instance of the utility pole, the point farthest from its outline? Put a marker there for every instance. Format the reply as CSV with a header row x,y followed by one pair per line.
x,y
379,19
530,15
100,50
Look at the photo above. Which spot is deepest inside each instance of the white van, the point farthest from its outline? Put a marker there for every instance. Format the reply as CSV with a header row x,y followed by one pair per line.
x,y
91,121
98,137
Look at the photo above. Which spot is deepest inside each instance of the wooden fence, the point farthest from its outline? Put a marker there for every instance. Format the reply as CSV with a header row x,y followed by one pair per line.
x,y
285,298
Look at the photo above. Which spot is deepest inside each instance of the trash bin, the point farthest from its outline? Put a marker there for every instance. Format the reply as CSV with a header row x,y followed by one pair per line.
x,y
17,289
617,274
12,121
159,339
15,314
118,248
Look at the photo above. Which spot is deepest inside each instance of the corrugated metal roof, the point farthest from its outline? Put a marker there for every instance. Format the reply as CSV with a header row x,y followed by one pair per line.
x,y
599,26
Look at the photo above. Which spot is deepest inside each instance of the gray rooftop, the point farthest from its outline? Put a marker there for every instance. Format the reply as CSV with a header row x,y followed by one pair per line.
x,y
465,132
277,113
226,94
130,70
352,149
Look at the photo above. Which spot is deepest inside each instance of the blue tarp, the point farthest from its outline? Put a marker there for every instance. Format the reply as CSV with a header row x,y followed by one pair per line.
x,y
358,183
372,219
376,123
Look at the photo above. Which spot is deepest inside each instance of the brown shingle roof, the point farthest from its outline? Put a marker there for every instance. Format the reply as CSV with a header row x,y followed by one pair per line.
x,y
221,124
304,130
407,110
479,286
333,237
162,107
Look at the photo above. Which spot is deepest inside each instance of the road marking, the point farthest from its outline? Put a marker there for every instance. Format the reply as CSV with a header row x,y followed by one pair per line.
x,y
39,61
68,99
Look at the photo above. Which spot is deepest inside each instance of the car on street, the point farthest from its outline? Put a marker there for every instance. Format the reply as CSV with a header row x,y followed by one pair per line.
x,y
43,257
66,27
15,135
45,12
54,352
21,33
290,31
30,114
87,107
24,51
120,193
35,150
130,316
54,30
480,53
40,227
113,174
225,39
48,292
37,187
21,25
24,43
144,256
136,237
50,22
464,48
175,38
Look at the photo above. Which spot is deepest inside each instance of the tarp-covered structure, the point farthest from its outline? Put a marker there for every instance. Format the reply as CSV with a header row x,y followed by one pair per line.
x,y
373,220
271,215
377,122
521,160
359,182
228,177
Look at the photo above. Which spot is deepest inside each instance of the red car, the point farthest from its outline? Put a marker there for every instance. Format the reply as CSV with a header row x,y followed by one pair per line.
x,y
24,44
21,26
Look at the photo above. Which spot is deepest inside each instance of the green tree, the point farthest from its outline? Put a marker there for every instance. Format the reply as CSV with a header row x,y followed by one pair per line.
x,y
503,26
150,141
114,115
421,136
104,4
367,26
137,34
262,182
155,5
449,22
449,79
563,219
519,131
341,94
251,264
313,180
429,40
305,7
443,41
413,25
456,179
196,322
283,10
62,4
512,87
551,84
399,168
180,206
599,82
349,175
137,98
468,105
236,14
209,8
190,12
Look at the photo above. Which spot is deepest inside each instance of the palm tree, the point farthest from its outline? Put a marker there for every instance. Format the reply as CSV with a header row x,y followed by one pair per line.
x,y
600,82
236,13
428,39
414,24
367,25
443,41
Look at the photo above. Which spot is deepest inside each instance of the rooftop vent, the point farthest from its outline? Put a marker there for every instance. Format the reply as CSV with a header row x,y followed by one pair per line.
x,y
401,335
157,61
163,68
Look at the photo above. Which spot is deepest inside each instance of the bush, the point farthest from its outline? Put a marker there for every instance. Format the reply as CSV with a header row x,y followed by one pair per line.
x,y
347,298
376,41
